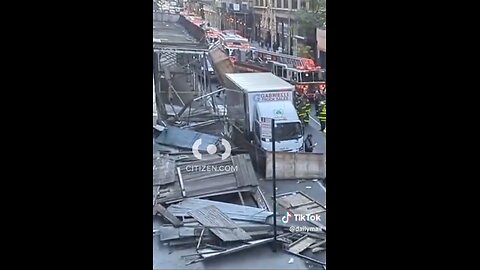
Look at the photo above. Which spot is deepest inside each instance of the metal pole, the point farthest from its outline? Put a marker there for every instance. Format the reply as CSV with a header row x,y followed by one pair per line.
x,y
244,24
161,111
290,27
254,25
274,189
205,71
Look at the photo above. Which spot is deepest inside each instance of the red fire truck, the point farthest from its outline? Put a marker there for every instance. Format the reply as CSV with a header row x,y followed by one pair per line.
x,y
299,71
231,42
212,35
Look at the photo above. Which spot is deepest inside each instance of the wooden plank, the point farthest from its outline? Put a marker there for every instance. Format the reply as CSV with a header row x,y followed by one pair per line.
x,y
305,204
315,250
200,238
245,174
209,176
297,241
317,244
163,171
211,216
247,245
182,187
188,241
241,198
169,233
159,209
302,245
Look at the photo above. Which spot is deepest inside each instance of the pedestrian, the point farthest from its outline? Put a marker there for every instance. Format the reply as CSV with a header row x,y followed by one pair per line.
x,y
323,117
309,144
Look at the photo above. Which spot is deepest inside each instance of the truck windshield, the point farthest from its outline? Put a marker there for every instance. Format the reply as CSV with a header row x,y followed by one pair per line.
x,y
288,131
319,76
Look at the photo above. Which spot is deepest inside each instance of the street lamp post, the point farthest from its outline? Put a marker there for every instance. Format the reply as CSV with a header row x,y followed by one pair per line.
x,y
290,27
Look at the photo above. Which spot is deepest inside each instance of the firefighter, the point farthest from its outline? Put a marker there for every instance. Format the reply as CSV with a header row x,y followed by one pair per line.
x,y
304,111
323,117
317,99
298,103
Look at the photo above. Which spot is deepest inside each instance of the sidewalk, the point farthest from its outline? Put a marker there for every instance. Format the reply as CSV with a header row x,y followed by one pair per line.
x,y
257,45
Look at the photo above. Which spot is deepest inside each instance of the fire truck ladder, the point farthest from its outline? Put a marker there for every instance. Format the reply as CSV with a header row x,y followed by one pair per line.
x,y
292,61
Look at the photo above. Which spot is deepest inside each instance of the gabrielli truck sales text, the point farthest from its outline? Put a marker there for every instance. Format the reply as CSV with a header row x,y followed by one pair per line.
x,y
272,97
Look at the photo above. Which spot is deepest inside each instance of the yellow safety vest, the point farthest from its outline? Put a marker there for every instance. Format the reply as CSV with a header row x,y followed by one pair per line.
x,y
323,114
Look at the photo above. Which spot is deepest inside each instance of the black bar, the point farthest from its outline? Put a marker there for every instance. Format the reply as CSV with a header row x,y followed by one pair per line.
x,y
274,189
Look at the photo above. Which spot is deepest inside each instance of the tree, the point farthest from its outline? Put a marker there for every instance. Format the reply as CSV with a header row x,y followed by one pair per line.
x,y
309,20
305,51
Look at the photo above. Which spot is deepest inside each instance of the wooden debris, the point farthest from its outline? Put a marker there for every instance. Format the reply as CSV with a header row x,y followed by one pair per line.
x,y
233,211
247,245
300,203
211,216
200,238
317,249
317,244
159,209
300,246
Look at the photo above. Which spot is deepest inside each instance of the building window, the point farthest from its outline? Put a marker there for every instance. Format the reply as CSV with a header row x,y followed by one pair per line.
x,y
303,4
261,3
285,3
279,3
256,2
294,4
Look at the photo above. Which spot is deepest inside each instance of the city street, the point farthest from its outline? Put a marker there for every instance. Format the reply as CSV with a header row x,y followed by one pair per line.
x,y
167,30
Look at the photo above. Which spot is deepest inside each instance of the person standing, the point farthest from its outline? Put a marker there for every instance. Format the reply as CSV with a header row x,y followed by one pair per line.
x,y
323,117
309,144
305,111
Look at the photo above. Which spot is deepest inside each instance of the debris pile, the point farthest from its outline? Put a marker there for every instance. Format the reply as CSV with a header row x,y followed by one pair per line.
x,y
216,228
186,194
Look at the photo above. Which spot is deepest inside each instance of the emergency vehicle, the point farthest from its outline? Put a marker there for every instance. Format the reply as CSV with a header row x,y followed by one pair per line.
x,y
212,35
231,42
299,71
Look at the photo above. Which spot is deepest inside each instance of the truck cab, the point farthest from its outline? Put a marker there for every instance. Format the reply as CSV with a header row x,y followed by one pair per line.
x,y
288,129
256,97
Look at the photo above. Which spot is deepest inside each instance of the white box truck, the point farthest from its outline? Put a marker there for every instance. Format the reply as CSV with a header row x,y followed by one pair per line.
x,y
256,96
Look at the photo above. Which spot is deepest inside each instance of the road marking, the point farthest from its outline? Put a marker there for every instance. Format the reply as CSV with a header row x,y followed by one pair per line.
x,y
320,184
314,120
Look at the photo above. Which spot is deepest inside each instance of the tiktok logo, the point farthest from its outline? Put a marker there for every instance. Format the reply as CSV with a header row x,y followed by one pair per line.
x,y
286,218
